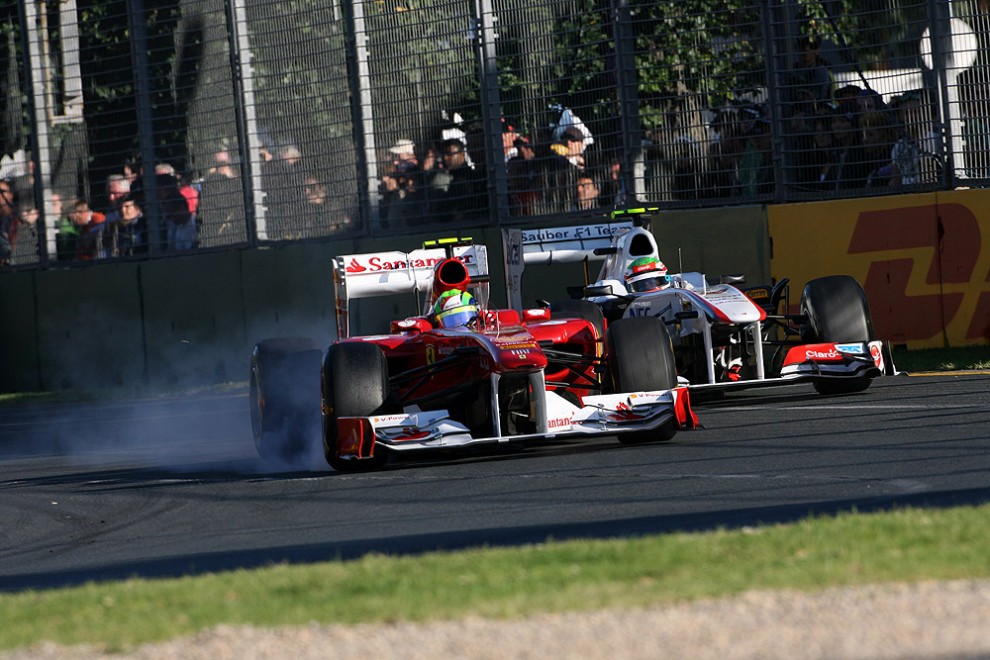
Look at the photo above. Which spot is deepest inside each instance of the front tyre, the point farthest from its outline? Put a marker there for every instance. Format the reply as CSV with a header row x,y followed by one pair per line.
x,y
284,396
354,384
641,358
837,311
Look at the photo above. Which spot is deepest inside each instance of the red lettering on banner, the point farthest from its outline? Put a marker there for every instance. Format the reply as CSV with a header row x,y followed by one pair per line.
x,y
953,234
979,325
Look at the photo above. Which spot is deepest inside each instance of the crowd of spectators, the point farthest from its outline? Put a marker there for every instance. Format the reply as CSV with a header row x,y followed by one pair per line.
x,y
829,140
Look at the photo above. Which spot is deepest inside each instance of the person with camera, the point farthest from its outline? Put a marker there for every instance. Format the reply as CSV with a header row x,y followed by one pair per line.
x,y
402,187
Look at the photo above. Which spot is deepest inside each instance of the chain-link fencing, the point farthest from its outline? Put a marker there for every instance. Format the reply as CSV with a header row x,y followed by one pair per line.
x,y
136,129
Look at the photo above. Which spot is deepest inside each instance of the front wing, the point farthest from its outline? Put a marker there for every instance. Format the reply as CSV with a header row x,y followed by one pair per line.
x,y
822,362
607,414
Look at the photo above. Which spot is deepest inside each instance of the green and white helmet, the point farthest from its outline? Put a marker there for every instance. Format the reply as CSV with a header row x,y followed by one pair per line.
x,y
646,274
455,309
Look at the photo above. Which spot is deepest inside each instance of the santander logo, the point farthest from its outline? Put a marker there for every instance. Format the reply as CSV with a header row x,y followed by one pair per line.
x,y
377,263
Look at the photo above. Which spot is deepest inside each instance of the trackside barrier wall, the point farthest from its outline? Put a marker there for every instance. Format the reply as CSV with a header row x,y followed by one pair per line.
x,y
193,319
924,260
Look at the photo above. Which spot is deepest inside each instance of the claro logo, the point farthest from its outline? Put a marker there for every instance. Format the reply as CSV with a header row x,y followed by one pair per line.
x,y
913,310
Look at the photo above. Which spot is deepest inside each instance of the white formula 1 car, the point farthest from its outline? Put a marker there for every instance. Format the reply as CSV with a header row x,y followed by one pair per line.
x,y
724,336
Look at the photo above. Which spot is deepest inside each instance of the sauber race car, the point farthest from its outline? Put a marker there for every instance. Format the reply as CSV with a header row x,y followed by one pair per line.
x,y
461,373
725,336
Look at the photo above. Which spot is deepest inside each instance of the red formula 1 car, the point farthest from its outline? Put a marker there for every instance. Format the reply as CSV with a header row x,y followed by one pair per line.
x,y
460,374
725,336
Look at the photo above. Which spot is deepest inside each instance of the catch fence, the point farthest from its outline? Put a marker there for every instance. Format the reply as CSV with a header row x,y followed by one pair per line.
x,y
234,123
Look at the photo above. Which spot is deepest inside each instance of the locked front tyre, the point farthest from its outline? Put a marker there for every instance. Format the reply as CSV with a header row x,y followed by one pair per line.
x,y
284,395
640,359
354,384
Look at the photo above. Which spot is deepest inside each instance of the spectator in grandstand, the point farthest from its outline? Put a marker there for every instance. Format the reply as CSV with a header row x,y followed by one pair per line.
x,y
90,226
613,188
26,246
132,170
179,223
284,196
524,179
318,215
754,170
565,164
221,203
847,98
403,187
118,187
908,154
683,166
66,232
724,152
879,137
869,100
816,165
801,160
587,195
131,229
460,190
850,167
8,221
810,80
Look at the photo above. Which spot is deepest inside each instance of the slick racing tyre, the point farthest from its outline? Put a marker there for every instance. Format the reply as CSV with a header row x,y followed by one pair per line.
x,y
284,396
579,309
354,384
641,358
837,311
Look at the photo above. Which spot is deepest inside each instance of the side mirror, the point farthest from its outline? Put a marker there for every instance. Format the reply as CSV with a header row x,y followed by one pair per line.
x,y
597,291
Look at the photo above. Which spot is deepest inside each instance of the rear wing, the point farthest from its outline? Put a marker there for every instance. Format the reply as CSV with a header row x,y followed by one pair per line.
x,y
393,272
546,246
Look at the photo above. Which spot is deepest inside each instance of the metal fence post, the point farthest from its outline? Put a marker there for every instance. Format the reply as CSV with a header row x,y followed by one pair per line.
x,y
938,17
40,146
491,112
136,15
248,140
362,111
633,165
773,97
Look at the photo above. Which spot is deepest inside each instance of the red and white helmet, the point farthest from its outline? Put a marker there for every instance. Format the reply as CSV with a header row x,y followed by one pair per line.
x,y
646,274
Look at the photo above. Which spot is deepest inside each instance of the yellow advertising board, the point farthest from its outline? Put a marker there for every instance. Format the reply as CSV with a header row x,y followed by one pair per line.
x,y
923,260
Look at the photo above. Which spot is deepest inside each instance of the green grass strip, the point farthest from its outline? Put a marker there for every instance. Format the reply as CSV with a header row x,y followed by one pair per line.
x,y
903,546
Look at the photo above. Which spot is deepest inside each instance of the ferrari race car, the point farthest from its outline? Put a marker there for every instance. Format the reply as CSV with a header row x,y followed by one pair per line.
x,y
460,374
724,336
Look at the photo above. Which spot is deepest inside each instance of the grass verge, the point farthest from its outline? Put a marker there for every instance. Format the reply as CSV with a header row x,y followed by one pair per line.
x,y
943,359
903,546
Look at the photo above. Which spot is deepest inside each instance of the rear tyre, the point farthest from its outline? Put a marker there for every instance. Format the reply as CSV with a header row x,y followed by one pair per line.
x,y
354,384
837,312
641,358
284,397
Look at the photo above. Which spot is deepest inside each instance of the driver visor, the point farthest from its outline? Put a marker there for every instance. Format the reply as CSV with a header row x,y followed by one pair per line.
x,y
649,283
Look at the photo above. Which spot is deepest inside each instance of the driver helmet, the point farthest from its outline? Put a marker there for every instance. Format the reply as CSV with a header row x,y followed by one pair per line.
x,y
456,309
646,274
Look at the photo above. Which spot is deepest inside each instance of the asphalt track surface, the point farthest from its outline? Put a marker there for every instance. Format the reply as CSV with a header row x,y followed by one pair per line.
x,y
158,488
